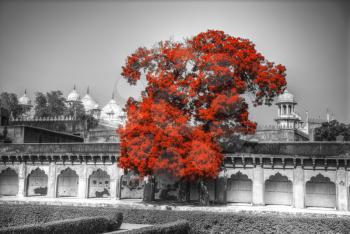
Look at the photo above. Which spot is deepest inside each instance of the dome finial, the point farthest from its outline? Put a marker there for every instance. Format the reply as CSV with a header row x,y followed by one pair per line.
x,y
88,90
113,95
25,91
74,87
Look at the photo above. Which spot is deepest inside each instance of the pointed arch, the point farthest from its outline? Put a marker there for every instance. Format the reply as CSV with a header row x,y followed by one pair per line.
x,y
99,184
67,183
278,190
320,192
8,182
37,183
239,188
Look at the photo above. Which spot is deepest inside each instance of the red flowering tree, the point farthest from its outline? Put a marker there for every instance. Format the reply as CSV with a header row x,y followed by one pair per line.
x,y
193,98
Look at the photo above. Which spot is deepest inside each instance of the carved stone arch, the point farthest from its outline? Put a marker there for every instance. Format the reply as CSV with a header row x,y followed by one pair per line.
x,y
278,190
92,169
6,167
320,191
99,183
8,181
284,173
30,169
37,182
239,188
239,176
331,175
131,185
279,177
320,178
246,172
67,183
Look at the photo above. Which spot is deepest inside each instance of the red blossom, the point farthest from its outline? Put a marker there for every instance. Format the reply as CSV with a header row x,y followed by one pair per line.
x,y
193,97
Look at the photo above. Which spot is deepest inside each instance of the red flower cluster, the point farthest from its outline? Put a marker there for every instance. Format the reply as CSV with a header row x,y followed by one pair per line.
x,y
193,98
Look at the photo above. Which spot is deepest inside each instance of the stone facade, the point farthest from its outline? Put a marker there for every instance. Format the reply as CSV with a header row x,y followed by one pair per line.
x,y
29,134
297,174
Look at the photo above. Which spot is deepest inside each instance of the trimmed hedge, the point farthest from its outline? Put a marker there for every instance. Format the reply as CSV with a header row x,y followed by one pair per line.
x,y
200,222
177,227
76,226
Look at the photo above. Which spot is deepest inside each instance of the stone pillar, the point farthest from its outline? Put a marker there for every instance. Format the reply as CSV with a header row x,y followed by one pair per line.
x,y
120,172
258,185
82,186
114,174
221,189
298,188
52,181
342,191
21,180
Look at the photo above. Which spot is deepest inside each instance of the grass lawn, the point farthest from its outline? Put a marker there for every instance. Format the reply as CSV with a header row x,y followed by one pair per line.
x,y
200,222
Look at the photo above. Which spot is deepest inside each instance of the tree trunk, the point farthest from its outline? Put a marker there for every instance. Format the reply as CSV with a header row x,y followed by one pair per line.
x,y
203,194
149,189
183,191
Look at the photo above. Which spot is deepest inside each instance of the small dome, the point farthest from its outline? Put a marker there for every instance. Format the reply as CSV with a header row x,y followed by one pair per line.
x,y
73,96
25,100
286,97
89,103
112,112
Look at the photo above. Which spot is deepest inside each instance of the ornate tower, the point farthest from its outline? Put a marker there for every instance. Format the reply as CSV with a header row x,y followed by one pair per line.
x,y
287,118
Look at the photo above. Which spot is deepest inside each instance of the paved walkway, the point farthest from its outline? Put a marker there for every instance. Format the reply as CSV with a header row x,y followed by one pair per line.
x,y
127,227
138,204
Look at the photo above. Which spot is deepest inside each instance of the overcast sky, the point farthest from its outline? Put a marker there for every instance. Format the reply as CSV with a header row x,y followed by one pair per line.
x,y
52,45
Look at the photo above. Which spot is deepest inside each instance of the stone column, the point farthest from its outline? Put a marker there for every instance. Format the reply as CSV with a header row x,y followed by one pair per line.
x,y
114,172
298,188
120,172
221,189
21,180
342,191
51,181
82,186
258,185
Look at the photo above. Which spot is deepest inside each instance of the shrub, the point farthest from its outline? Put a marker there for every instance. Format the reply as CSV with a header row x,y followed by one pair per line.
x,y
24,229
199,221
177,227
81,225
116,221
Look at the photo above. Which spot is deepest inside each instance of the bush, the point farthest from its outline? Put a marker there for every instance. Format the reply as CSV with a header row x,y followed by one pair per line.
x,y
116,221
177,227
76,226
199,222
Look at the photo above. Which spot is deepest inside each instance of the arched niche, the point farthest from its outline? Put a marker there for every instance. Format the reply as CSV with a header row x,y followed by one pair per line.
x,y
278,190
131,186
8,182
37,183
67,183
239,188
320,192
99,184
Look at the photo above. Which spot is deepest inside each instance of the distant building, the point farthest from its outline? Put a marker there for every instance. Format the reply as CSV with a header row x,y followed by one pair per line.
x,y
289,124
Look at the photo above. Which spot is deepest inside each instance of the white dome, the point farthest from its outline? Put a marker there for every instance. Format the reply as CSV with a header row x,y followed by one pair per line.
x,y
89,103
112,112
73,96
25,100
286,97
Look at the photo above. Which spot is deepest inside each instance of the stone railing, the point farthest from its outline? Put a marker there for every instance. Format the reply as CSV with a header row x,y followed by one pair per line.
x,y
35,119
59,149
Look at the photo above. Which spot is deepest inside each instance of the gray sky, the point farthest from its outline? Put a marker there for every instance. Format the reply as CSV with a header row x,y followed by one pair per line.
x,y
50,45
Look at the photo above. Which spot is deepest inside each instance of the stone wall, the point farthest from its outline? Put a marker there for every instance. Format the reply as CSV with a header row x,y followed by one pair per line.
x,y
298,174
27,134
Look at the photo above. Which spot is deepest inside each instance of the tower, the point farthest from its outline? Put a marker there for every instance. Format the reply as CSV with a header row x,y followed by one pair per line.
x,y
286,117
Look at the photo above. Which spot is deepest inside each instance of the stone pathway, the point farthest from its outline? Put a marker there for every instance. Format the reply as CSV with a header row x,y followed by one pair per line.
x,y
127,227
138,204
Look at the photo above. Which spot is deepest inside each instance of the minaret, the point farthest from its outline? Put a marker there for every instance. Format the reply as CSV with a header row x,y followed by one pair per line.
x,y
286,119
